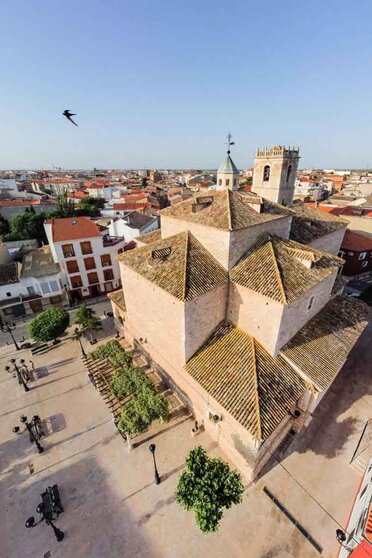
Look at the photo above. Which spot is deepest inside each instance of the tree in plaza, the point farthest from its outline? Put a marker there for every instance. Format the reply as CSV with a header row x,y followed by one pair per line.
x,y
206,487
86,318
49,325
145,406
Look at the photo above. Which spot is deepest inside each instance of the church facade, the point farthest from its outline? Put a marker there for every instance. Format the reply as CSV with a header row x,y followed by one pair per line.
x,y
240,313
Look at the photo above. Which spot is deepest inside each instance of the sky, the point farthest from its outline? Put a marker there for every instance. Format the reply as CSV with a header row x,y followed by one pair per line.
x,y
159,84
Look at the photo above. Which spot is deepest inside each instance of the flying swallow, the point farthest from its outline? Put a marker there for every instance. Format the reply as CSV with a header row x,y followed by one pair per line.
x,y
68,114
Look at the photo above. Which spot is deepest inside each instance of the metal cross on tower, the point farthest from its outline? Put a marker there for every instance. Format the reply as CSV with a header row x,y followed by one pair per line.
x,y
229,142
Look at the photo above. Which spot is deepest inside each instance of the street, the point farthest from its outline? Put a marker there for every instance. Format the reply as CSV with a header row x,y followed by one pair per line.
x,y
20,332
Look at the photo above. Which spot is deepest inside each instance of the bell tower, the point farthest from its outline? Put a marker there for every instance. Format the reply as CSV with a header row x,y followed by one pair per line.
x,y
274,173
228,174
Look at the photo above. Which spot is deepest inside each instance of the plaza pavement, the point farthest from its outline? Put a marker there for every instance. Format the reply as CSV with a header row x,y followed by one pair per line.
x,y
113,507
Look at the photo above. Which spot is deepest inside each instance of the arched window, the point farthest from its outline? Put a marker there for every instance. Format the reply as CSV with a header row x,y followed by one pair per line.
x,y
289,172
266,173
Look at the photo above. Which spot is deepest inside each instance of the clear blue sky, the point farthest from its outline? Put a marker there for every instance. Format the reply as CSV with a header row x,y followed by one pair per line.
x,y
159,83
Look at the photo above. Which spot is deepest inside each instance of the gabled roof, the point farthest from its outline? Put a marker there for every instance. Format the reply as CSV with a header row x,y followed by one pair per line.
x,y
280,269
138,220
73,228
227,210
356,242
321,347
228,167
178,264
309,224
257,389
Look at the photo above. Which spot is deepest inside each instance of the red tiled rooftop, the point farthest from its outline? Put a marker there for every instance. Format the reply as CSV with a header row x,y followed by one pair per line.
x,y
130,206
356,242
73,228
15,203
79,194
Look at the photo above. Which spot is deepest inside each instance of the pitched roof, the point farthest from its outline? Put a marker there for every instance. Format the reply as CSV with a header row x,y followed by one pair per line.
x,y
39,263
309,224
138,220
282,269
178,264
356,242
225,210
130,206
118,298
321,347
150,237
73,228
228,166
257,389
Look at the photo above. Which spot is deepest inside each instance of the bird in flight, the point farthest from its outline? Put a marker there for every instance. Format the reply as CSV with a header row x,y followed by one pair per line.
x,y
68,114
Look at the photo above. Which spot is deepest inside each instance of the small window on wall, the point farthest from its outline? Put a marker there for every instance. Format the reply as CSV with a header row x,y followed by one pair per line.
x,y
227,182
266,173
289,172
220,182
311,302
8,294
362,256
364,264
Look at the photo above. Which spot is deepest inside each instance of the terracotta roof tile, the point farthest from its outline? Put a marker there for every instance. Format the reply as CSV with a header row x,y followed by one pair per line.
x,y
118,298
179,264
309,224
227,210
322,346
255,388
150,237
73,228
356,242
282,269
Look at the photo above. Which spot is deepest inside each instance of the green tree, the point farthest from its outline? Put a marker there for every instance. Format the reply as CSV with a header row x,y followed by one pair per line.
x,y
4,226
64,207
29,225
206,487
49,325
90,207
86,318
144,407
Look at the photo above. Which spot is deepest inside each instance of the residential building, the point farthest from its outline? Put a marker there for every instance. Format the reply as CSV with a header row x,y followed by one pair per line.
x,y
87,254
245,323
133,225
12,208
311,188
30,286
356,250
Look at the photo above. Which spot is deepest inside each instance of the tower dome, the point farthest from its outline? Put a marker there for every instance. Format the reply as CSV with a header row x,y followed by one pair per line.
x,y
228,174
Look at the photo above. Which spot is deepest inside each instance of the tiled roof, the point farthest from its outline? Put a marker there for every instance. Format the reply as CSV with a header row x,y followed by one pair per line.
x,y
255,388
280,269
118,298
309,224
40,263
228,166
137,206
150,237
137,220
322,346
9,273
179,264
24,203
73,228
356,242
227,211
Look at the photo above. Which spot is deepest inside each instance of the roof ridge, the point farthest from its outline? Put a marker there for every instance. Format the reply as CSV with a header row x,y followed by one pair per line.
x,y
257,395
277,270
229,210
184,286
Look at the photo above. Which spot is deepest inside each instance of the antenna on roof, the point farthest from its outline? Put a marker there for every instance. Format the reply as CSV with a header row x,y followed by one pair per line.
x,y
229,142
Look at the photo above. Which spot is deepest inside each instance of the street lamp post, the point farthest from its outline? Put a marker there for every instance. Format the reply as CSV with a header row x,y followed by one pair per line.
x,y
7,326
20,377
78,335
152,448
30,427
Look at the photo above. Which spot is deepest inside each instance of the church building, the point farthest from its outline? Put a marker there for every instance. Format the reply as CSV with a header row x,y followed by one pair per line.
x,y
237,305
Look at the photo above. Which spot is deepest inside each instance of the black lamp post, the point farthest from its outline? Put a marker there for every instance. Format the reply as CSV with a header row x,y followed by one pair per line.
x,y
7,326
48,520
34,435
152,448
78,335
20,377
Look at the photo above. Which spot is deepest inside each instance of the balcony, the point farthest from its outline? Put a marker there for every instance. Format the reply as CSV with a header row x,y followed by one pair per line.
x,y
111,240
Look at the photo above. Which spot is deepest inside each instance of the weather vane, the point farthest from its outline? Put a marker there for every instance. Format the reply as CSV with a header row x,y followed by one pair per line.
x,y
229,142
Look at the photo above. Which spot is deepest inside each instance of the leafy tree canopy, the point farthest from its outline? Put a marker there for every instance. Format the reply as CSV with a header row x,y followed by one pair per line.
x,y
4,226
29,225
206,487
49,325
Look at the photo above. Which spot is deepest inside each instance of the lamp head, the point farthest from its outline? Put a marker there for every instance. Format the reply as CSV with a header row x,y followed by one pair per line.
x,y
23,419
30,522
152,448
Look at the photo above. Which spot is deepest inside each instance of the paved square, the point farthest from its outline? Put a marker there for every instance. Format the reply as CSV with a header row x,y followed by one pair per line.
x,y
114,509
